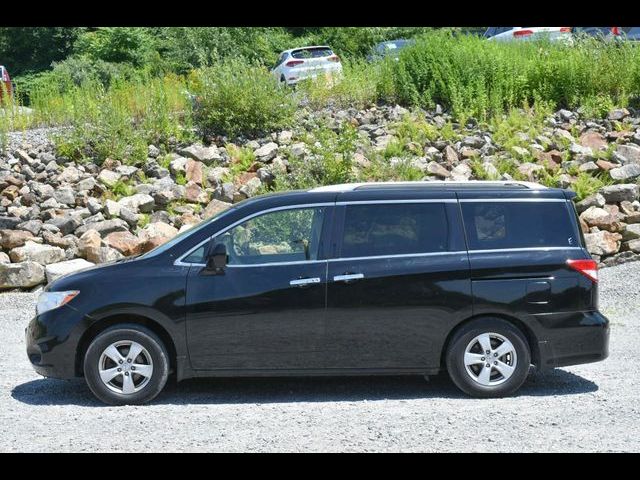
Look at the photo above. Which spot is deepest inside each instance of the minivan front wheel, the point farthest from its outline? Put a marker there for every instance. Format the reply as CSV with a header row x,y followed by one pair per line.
x,y
488,357
126,364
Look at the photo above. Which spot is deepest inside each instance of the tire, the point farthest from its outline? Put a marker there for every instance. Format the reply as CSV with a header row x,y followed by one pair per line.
x,y
147,372
509,358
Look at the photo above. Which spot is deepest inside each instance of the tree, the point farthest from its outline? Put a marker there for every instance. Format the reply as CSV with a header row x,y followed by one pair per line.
x,y
32,49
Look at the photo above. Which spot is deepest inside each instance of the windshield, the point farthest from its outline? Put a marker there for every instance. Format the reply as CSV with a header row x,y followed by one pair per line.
x,y
181,236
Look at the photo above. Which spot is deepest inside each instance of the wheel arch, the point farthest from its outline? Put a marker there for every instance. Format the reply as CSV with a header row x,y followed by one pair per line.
x,y
102,324
532,340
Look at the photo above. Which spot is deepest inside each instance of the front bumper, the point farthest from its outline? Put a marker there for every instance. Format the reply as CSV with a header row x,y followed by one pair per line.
x,y
52,342
581,338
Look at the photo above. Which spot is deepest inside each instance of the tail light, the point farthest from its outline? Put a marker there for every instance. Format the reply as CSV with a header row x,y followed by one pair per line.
x,y
334,58
615,30
293,63
588,268
522,33
565,29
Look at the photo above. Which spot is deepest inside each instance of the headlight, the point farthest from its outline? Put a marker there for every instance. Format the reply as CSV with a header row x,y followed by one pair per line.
x,y
50,300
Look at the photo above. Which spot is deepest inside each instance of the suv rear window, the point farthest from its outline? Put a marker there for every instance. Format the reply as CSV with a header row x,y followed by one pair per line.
x,y
388,229
312,53
513,224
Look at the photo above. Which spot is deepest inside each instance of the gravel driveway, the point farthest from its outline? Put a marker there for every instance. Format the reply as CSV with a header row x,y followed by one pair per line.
x,y
584,408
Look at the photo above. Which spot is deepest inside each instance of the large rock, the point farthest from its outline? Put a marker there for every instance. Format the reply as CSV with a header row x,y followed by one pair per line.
x,y
104,227
140,202
124,242
194,171
9,222
631,170
630,153
438,170
65,196
66,223
598,217
619,193
14,238
37,252
603,242
201,153
594,140
195,194
57,270
21,275
90,240
594,200
158,229
215,207
267,152
109,178
103,255
631,232
156,234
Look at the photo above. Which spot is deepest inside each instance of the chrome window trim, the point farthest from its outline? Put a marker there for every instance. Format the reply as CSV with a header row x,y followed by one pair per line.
x,y
417,200
510,200
522,249
400,255
180,263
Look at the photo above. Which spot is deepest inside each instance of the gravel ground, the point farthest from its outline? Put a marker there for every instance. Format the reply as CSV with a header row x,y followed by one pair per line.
x,y
30,138
584,408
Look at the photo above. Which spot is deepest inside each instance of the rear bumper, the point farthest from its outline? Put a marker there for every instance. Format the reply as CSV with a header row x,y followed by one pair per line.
x,y
580,338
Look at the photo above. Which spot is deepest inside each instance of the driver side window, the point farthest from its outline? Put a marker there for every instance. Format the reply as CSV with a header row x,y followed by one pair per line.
x,y
281,236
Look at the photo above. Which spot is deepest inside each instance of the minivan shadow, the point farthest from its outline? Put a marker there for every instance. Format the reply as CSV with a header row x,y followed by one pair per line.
x,y
284,390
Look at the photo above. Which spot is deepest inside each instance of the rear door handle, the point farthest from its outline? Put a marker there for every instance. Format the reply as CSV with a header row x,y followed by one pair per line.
x,y
301,282
348,277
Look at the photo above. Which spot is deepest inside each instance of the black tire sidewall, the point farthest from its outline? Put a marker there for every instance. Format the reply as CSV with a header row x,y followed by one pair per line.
x,y
149,341
455,358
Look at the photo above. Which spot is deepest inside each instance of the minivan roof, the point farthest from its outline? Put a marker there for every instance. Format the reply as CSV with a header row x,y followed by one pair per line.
x,y
437,184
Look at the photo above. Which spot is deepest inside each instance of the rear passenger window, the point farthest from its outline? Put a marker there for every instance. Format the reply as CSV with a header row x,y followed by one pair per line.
x,y
394,229
495,225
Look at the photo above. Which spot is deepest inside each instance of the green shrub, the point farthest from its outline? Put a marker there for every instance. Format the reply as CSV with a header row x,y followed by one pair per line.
x,y
236,98
476,78
330,160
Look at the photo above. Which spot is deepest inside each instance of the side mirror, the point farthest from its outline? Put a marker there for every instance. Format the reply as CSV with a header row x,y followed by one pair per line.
x,y
217,258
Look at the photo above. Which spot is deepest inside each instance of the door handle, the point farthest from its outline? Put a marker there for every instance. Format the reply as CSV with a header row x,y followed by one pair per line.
x,y
348,277
301,282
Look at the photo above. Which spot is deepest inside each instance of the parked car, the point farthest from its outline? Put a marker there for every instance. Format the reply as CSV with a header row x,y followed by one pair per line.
x,y
308,62
598,32
607,33
508,34
391,48
479,279
5,82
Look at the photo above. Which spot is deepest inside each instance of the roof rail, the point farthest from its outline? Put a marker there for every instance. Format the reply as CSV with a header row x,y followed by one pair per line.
x,y
349,187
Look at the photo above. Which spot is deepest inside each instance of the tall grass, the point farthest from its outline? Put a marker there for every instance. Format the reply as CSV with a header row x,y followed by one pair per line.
x,y
479,78
119,121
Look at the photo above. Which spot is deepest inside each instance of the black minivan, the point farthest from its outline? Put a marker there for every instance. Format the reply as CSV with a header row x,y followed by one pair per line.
x,y
479,279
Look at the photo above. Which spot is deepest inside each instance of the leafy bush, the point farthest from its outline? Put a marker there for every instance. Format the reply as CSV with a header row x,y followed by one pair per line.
x,y
236,98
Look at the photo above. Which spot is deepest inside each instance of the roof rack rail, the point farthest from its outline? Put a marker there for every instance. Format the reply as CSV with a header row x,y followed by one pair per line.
x,y
349,187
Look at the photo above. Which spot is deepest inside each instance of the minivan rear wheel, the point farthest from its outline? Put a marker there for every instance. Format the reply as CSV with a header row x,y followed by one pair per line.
x,y
488,357
126,365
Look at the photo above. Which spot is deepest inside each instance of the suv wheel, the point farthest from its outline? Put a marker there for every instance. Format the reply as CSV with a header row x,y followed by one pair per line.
x,y
488,357
126,364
